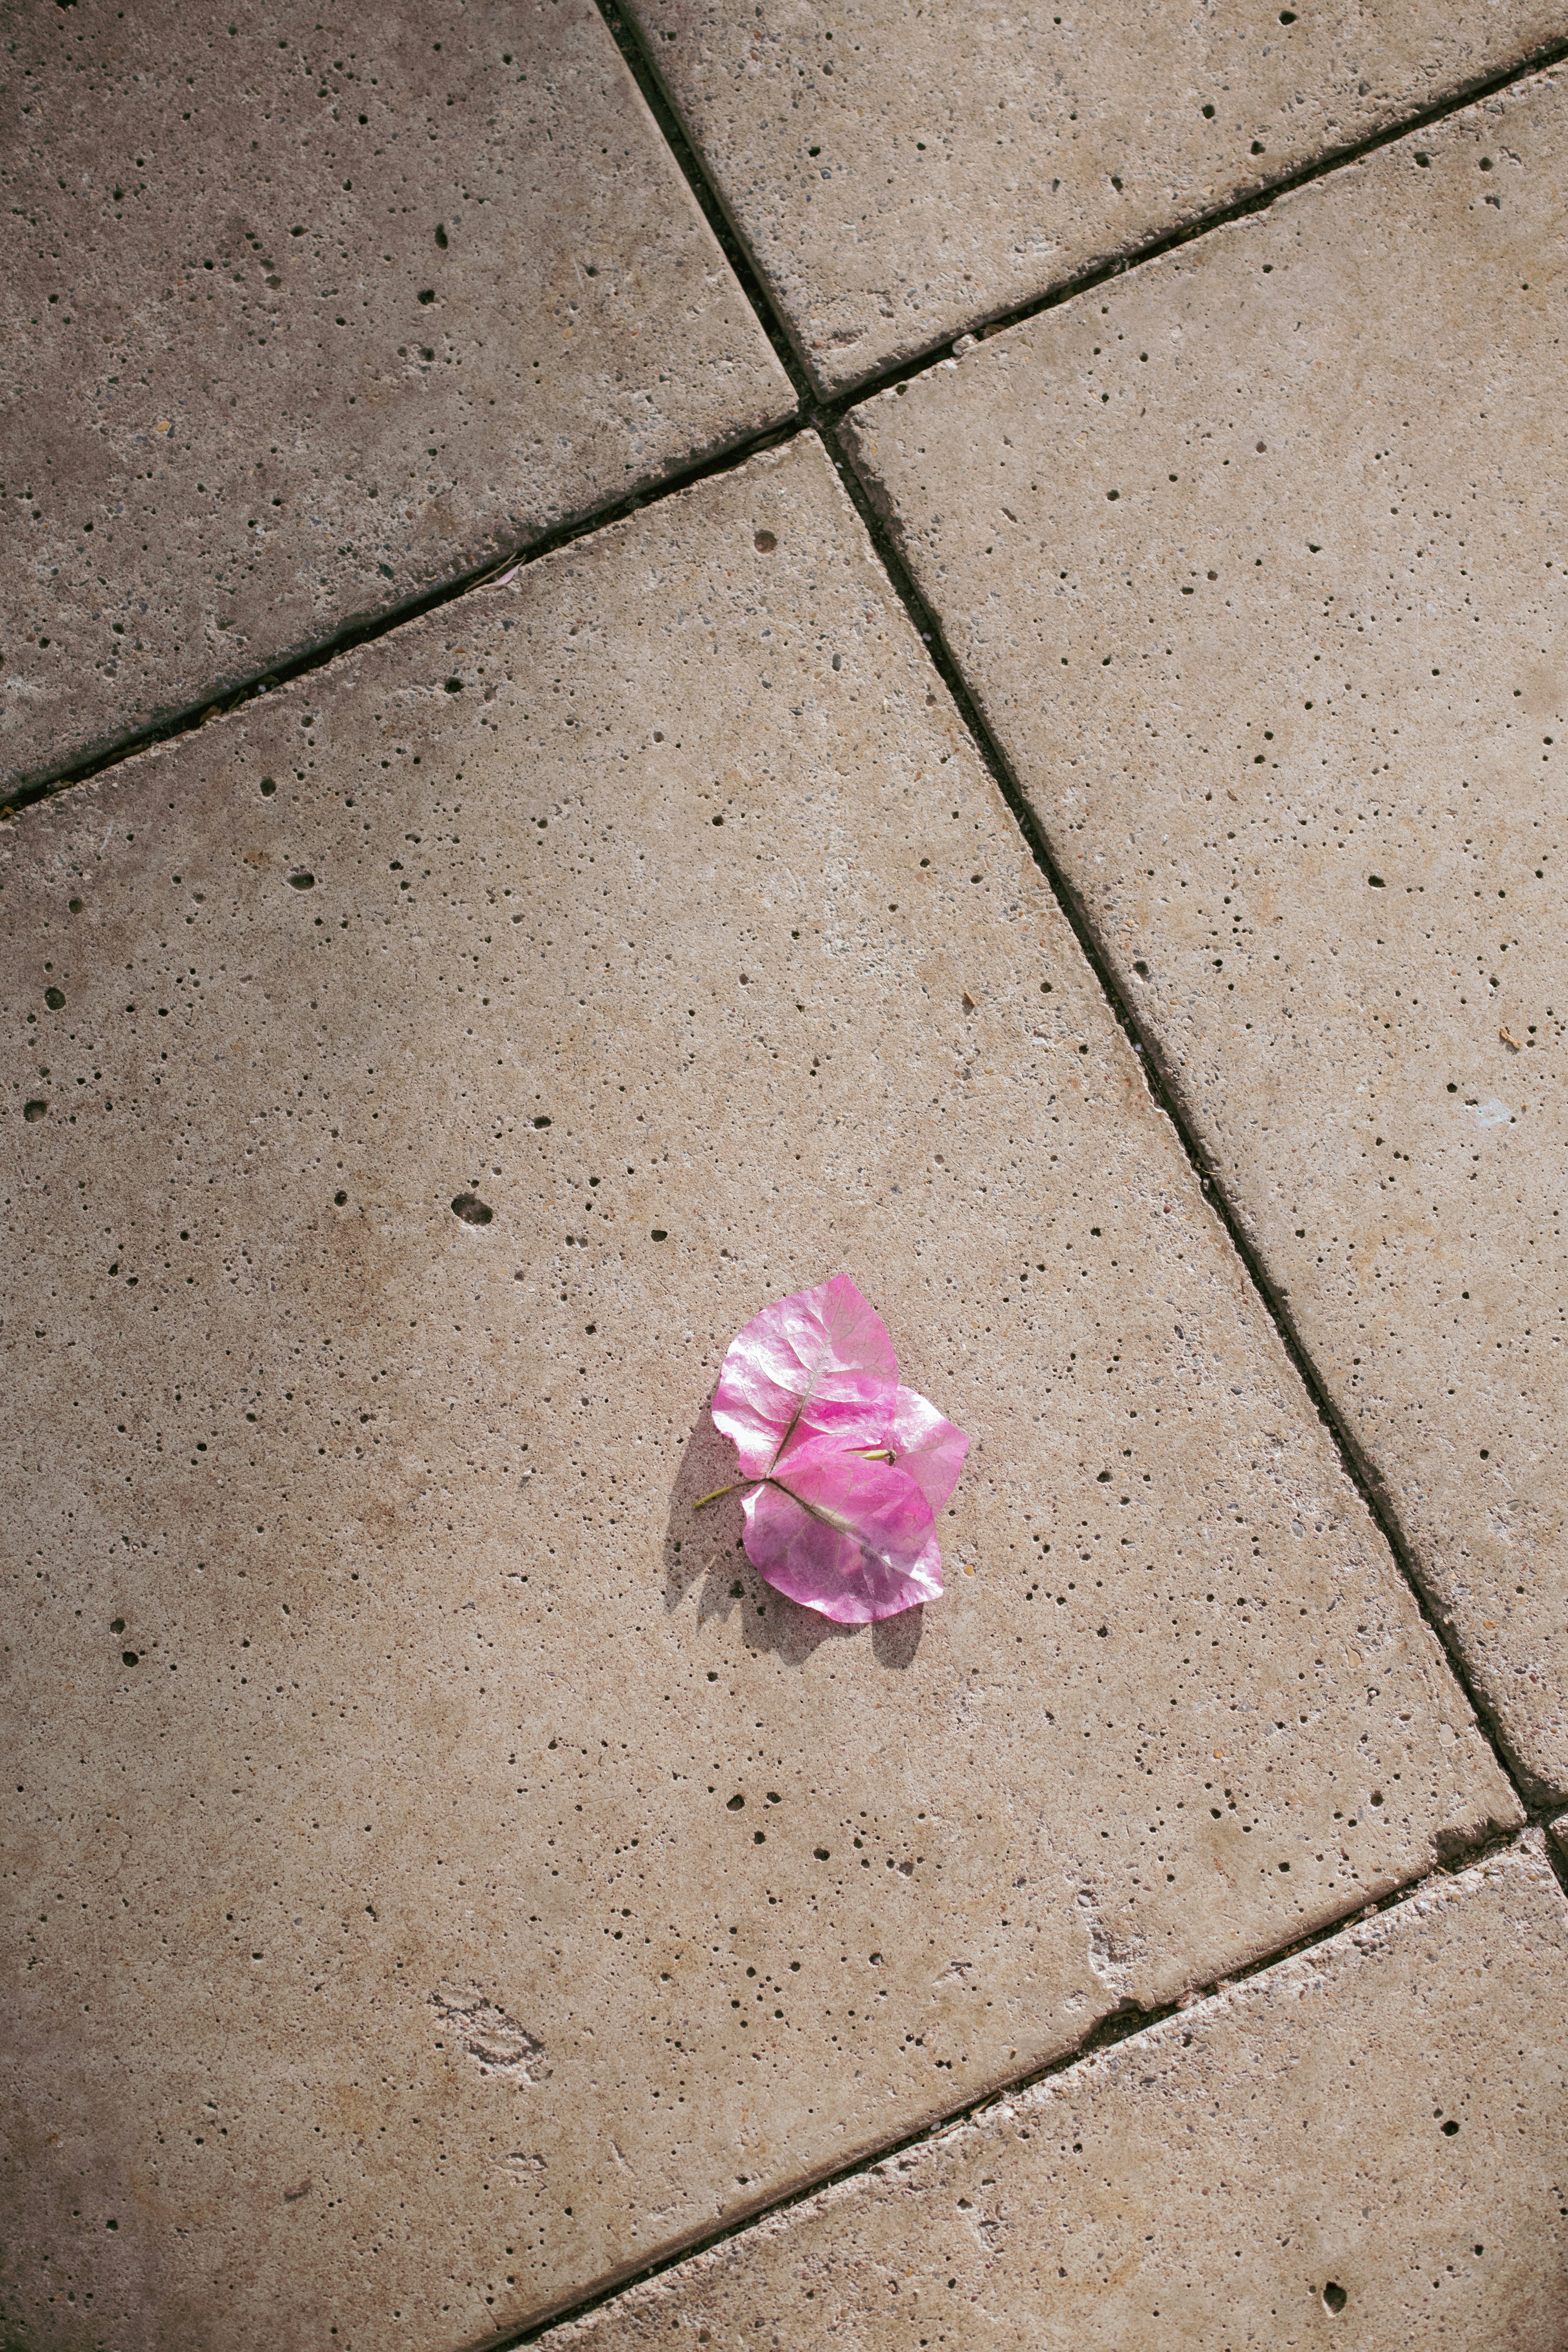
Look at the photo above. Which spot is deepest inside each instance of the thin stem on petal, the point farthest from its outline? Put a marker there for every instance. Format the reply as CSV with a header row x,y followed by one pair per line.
x,y
873,1453
713,1498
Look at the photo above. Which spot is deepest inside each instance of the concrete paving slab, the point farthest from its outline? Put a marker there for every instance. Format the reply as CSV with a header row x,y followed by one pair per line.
x,y
305,315
1370,2134
1256,562
446,1876
903,173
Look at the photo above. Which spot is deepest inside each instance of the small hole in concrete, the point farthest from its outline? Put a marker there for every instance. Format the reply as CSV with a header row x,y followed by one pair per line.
x,y
1334,2297
301,879
764,543
471,1209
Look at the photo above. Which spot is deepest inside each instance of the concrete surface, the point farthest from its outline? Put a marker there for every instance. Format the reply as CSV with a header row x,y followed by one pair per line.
x,y
306,315
903,172
1366,2145
362,1626
1255,564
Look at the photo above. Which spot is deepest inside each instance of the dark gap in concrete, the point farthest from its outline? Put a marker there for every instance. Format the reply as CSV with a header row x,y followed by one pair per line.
x,y
362,629
1333,159
628,37
1557,1858
1122,2026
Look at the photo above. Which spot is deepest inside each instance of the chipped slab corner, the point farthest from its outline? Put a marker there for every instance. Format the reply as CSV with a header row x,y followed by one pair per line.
x,y
1374,2126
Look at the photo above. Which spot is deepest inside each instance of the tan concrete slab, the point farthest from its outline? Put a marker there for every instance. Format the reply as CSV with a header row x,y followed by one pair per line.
x,y
1257,563
1372,2133
391,1921
903,173
306,314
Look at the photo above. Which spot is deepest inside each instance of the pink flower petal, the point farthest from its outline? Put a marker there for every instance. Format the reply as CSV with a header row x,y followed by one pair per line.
x,y
818,1360
852,1538
929,1448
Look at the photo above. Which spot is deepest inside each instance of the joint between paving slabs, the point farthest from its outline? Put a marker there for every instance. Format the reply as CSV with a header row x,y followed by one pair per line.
x,y
819,414
820,409
1534,1796
1123,2024
1556,1855
365,628
643,67
1120,265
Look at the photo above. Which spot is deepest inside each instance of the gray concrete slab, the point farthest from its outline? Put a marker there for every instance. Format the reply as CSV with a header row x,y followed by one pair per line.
x,y
444,1876
903,172
307,314
1256,562
1364,2144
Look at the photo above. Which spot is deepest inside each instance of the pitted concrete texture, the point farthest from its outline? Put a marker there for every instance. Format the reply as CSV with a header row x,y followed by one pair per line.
x,y
903,172
446,1875
1255,564
306,315
1372,2134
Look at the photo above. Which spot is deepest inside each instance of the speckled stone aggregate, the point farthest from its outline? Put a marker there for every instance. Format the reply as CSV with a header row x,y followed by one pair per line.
x,y
903,172
1256,562
1363,2145
442,1875
307,313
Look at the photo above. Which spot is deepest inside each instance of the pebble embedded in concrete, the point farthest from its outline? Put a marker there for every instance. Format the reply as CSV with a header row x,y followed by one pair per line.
x,y
903,174
1248,560
304,324
448,1878
1372,2131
